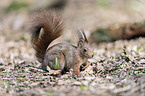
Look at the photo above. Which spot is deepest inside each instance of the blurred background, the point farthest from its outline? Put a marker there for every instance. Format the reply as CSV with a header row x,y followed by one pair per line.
x,y
116,69
103,20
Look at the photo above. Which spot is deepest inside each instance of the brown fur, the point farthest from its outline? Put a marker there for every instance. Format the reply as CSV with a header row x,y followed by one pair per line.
x,y
69,56
52,26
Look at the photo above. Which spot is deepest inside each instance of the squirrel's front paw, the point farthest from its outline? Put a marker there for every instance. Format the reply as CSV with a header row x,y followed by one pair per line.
x,y
78,74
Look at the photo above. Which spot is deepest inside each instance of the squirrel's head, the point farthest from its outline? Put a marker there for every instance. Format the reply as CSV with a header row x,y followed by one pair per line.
x,y
84,48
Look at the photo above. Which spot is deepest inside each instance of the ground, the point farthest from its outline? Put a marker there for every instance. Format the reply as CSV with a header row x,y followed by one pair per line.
x,y
117,68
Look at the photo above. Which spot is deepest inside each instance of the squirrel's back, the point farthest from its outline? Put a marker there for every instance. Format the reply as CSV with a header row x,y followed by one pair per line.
x,y
52,26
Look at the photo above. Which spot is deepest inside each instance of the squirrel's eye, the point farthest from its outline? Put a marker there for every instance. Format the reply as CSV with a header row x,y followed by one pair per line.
x,y
85,50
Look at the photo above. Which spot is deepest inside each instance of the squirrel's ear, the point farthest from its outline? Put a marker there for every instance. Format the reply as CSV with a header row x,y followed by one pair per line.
x,y
81,39
85,38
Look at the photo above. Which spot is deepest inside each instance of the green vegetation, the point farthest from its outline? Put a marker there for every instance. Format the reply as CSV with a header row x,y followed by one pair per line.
x,y
101,35
103,4
16,5
83,87
49,94
22,79
7,86
56,66
26,37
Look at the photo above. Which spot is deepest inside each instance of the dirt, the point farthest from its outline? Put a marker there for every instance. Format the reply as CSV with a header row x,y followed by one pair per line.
x,y
117,68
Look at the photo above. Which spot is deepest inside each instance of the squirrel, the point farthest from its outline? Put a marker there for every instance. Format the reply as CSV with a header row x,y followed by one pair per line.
x,y
48,26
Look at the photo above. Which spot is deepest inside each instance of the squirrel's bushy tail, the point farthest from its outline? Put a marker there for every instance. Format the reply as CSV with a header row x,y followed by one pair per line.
x,y
46,26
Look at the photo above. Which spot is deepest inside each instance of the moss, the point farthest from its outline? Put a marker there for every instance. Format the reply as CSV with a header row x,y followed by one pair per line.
x,y
16,5
49,94
101,35
7,86
22,79
103,4
83,87
26,37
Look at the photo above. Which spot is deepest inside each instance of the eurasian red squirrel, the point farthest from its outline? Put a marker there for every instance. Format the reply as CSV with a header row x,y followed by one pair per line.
x,y
64,55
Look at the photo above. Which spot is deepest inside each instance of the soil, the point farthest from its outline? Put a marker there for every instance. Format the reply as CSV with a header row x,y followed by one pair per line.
x,y
117,68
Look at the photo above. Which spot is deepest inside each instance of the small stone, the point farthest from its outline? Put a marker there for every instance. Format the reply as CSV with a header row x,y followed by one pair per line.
x,y
2,68
85,83
21,62
60,82
66,82
77,83
93,84
89,78
108,77
36,77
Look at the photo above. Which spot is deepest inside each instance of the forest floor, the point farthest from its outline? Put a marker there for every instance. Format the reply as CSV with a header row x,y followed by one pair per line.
x,y
117,68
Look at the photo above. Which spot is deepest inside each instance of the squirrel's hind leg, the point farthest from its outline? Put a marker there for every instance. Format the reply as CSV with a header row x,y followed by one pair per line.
x,y
64,70
44,66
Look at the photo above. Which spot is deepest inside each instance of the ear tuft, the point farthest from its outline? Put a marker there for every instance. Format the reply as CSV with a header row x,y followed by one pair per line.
x,y
86,40
81,39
